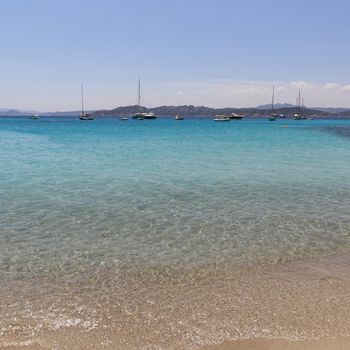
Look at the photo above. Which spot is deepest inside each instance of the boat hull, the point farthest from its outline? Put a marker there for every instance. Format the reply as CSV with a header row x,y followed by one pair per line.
x,y
143,116
236,118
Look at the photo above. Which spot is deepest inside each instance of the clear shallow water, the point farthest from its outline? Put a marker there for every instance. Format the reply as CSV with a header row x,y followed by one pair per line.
x,y
164,235
76,196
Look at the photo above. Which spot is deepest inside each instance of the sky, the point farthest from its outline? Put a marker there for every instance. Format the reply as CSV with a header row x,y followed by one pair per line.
x,y
218,53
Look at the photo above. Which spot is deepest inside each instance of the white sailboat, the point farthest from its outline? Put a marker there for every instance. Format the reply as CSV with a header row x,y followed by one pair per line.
x,y
83,115
139,114
297,115
272,116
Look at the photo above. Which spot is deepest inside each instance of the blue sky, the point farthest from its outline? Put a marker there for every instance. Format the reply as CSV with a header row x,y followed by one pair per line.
x,y
202,52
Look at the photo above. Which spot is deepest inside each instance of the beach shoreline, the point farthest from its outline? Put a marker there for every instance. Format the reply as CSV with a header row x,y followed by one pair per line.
x,y
248,308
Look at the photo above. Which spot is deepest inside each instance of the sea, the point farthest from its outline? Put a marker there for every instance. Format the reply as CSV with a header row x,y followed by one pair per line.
x,y
120,225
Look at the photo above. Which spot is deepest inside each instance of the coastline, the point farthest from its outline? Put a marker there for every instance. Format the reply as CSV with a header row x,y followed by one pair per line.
x,y
244,308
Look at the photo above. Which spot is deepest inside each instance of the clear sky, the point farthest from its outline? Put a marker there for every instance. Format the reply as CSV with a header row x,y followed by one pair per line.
x,y
201,52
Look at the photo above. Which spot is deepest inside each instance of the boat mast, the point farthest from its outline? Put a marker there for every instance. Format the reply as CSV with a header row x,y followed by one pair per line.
x,y
82,99
273,99
139,96
299,104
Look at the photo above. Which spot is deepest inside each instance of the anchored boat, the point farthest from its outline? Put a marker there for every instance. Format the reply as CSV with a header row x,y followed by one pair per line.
x,y
139,114
83,115
272,116
221,118
235,116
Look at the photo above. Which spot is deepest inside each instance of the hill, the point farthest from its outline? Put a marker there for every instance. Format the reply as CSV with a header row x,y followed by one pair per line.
x,y
15,112
277,105
190,110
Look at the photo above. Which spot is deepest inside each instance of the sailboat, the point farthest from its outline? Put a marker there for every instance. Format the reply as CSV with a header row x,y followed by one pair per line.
x,y
297,115
34,116
235,116
139,114
272,116
83,115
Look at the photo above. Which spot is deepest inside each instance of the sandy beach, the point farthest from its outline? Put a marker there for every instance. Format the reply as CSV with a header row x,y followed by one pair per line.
x,y
260,344
255,344
306,302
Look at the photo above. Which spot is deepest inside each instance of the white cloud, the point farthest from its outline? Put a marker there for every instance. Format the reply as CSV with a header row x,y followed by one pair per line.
x,y
299,84
332,86
242,93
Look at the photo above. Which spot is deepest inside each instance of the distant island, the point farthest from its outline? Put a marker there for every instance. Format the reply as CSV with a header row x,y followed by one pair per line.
x,y
254,112
261,111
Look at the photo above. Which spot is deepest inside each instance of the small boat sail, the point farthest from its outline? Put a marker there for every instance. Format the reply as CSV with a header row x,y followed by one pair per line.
x,y
179,117
222,118
34,117
139,115
272,116
83,115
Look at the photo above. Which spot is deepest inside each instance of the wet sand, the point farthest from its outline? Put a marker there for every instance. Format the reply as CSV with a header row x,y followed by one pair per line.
x,y
194,309
275,344
253,344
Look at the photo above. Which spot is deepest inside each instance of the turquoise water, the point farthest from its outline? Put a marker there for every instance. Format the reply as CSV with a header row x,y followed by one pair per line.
x,y
79,195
